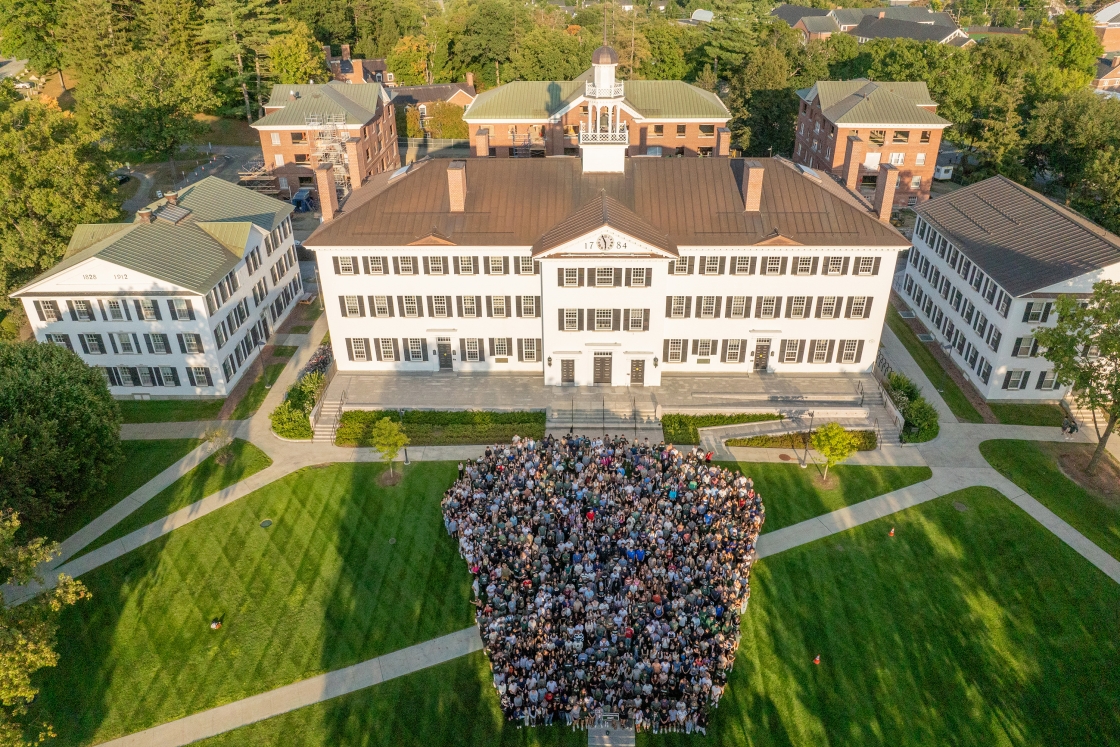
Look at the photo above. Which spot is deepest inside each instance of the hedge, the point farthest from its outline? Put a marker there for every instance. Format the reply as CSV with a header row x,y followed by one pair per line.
x,y
292,418
921,418
682,429
865,441
442,427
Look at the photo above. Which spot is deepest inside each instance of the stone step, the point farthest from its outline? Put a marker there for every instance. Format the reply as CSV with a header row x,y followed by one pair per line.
x,y
608,736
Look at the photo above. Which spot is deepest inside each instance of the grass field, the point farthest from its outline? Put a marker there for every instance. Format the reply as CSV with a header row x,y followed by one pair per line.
x,y
946,387
169,410
684,429
257,391
442,427
320,589
1042,414
791,494
142,461
865,441
1033,468
232,464
973,627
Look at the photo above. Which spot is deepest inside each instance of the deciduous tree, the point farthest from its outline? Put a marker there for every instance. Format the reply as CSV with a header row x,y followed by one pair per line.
x,y
388,438
295,57
548,54
409,61
834,444
29,30
445,120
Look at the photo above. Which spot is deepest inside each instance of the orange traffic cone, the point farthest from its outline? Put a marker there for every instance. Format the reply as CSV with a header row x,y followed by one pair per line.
x,y
891,534
817,660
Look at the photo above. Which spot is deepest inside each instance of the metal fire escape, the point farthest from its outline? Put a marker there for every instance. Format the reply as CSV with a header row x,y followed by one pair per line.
x,y
329,146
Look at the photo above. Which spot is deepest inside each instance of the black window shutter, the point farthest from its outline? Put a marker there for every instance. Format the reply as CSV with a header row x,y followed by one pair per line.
x,y
462,350
758,306
485,265
727,307
85,346
508,299
148,344
684,350
848,308
1041,379
516,305
1046,311
520,350
1026,314
626,282
337,269
695,346
174,377
407,352
190,376
616,320
455,264
489,306
831,348
722,265
477,304
424,345
536,267
867,307
396,350
561,315
342,305
859,351
820,303
155,308
427,269
560,277
688,306
618,277
481,351
517,267
1007,380
816,264
719,299
377,348
691,265
789,307
66,341
580,324
190,310
458,306
73,313
536,306
754,266
723,352
349,348
844,267
400,304
785,266
579,277
645,320
490,344
875,266
113,342
665,352
361,306
800,351
170,309
209,378
182,343
365,268
39,310
668,306
626,320
431,311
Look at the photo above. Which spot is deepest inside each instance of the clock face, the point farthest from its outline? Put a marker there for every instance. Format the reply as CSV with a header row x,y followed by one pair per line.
x,y
605,242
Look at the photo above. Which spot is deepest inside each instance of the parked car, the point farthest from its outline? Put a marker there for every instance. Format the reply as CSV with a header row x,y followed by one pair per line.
x,y
159,194
122,178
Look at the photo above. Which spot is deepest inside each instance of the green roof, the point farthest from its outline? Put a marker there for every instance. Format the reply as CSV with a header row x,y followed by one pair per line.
x,y
539,100
355,103
196,251
861,101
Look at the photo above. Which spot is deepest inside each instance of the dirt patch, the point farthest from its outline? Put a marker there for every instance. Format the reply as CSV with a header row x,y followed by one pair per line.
x,y
224,457
1072,459
389,479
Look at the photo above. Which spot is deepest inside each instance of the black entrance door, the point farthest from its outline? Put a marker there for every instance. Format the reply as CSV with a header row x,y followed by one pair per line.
x,y
761,355
567,371
637,373
445,356
602,368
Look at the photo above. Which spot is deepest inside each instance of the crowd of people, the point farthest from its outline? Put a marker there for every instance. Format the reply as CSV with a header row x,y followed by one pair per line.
x,y
609,577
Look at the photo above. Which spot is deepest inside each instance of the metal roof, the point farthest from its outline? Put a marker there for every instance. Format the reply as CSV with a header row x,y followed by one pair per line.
x,y
791,14
1023,240
872,27
193,253
820,24
541,100
412,95
603,211
356,103
687,201
864,102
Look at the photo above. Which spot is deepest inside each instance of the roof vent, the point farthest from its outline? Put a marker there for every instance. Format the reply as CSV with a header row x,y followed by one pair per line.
x,y
292,95
144,215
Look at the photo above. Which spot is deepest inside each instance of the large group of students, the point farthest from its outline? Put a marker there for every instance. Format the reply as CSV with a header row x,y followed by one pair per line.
x,y
609,577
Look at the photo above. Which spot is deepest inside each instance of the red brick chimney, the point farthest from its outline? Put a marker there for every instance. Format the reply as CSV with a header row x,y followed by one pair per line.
x,y
324,185
481,143
884,191
853,158
752,194
723,142
457,185
345,51
470,79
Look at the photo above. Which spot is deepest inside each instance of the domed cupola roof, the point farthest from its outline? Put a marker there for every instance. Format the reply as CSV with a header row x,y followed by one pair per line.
x,y
604,55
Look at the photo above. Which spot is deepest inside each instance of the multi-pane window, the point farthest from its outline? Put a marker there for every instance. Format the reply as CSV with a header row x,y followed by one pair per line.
x,y
1048,380
381,306
679,266
738,307
1035,313
529,349
470,308
820,351
604,276
859,307
358,345
466,265
734,351
415,348
676,309
407,266
148,309
637,319
497,266
707,307
145,374
704,348
915,182
638,277
116,309
439,306
167,373
571,320
387,349
789,351
376,267
526,265
866,266
63,340
571,277
528,306
94,343
897,159
604,319
828,307
50,311
192,342
772,266
125,344
501,347
675,350
83,310
797,307
471,346
742,265
1017,379
711,265
769,304
411,306
834,266
201,375
804,265
159,345
435,265
352,307
848,351
498,305
346,265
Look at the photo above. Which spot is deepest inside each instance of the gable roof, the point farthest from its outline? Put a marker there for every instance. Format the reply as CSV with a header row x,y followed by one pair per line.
x,y
1108,14
685,201
1019,237
861,101
354,103
791,14
872,27
820,25
412,95
601,211
194,252
541,100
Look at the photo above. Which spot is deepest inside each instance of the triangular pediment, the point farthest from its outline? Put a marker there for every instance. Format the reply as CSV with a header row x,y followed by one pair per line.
x,y
432,239
604,227
777,239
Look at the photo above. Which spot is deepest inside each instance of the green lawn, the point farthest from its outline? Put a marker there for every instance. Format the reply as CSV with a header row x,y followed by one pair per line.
x,y
142,460
284,351
169,410
1042,414
257,391
965,628
442,427
320,589
683,429
240,458
946,387
1027,465
791,494
300,329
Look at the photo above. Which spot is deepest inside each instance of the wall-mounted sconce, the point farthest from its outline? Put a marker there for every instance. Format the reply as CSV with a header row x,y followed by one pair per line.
x,y
655,361
550,361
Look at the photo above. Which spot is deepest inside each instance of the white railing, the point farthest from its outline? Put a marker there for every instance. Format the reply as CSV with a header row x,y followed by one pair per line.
x,y
603,92
622,136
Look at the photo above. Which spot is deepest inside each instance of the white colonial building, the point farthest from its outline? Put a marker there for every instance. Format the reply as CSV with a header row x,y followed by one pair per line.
x,y
177,302
988,262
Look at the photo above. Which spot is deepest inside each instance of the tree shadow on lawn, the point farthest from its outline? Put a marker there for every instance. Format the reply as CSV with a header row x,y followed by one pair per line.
x,y
974,627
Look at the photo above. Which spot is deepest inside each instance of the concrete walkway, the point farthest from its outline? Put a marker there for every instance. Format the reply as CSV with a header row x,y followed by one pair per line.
x,y
305,692
903,362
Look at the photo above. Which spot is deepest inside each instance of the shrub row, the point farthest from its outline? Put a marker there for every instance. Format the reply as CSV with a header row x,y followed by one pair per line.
x,y
442,427
682,429
922,421
865,441
292,419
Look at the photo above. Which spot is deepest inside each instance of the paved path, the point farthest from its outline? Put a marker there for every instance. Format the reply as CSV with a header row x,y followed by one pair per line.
x,y
305,692
903,362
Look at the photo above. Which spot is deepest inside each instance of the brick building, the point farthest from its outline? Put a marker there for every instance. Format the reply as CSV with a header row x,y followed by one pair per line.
x,y
346,69
851,128
1106,24
543,118
348,127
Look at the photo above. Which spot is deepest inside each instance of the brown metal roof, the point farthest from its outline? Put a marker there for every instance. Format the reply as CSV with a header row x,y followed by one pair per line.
x,y
1022,239
604,211
690,201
